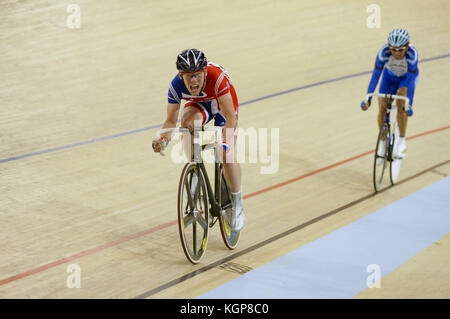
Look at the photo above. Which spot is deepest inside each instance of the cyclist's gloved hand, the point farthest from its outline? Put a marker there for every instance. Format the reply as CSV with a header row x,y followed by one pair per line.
x,y
225,146
159,144
366,104
410,111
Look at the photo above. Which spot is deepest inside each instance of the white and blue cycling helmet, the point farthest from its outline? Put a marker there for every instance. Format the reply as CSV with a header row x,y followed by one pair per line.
x,y
398,38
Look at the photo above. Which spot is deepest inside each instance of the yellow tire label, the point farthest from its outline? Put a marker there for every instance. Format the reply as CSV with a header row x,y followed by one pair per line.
x,y
227,228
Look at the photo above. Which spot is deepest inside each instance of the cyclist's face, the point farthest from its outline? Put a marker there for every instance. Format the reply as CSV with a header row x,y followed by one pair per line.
x,y
398,52
194,81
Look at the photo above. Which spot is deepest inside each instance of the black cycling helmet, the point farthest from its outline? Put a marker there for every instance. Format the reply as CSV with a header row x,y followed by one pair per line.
x,y
191,60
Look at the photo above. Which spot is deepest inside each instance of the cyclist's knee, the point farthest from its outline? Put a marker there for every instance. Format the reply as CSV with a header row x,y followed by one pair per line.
x,y
190,117
382,104
190,121
382,110
186,122
402,91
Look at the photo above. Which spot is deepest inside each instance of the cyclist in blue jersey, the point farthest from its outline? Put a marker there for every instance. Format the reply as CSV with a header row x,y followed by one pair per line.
x,y
397,60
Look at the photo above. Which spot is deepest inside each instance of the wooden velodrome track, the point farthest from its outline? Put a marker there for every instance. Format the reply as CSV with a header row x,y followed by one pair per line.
x,y
80,107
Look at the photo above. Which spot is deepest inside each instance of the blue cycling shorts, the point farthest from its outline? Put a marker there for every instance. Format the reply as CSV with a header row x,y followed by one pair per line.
x,y
391,83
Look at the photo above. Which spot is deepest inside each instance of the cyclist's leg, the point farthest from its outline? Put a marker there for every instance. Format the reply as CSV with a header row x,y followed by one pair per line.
x,y
402,120
382,105
405,87
232,169
193,114
387,86
402,117
233,174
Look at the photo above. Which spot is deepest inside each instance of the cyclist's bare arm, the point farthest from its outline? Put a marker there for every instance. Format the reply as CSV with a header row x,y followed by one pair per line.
x,y
227,108
171,121
172,118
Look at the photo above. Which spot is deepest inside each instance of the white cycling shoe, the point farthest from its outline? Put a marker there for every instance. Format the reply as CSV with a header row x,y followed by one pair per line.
x,y
401,150
237,218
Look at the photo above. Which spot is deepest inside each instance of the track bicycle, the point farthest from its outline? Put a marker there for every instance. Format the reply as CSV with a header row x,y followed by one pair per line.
x,y
200,205
390,135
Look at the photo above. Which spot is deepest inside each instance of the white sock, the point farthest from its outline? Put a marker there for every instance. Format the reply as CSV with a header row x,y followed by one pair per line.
x,y
236,199
402,139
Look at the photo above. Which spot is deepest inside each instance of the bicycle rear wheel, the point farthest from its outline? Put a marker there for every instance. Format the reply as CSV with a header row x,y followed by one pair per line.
x,y
230,238
193,212
380,161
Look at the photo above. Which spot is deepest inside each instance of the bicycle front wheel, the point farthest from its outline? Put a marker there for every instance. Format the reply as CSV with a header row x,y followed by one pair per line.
x,y
395,170
193,212
396,162
381,157
230,238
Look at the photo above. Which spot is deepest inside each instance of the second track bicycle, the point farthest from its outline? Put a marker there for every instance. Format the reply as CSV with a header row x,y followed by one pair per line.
x,y
388,135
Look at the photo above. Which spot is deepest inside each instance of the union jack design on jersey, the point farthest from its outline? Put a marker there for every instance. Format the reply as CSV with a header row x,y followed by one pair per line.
x,y
217,84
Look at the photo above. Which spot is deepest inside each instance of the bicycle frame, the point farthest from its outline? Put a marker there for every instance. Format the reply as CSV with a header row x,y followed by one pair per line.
x,y
217,205
388,135
390,98
196,150
387,122
389,108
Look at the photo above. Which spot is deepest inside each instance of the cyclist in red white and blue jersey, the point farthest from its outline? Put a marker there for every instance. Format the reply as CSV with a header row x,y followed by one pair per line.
x,y
210,95
397,61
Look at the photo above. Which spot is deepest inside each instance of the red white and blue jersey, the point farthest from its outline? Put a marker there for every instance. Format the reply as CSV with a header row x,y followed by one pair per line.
x,y
217,84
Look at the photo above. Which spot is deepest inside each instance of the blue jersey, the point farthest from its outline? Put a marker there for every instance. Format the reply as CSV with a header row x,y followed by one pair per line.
x,y
405,68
